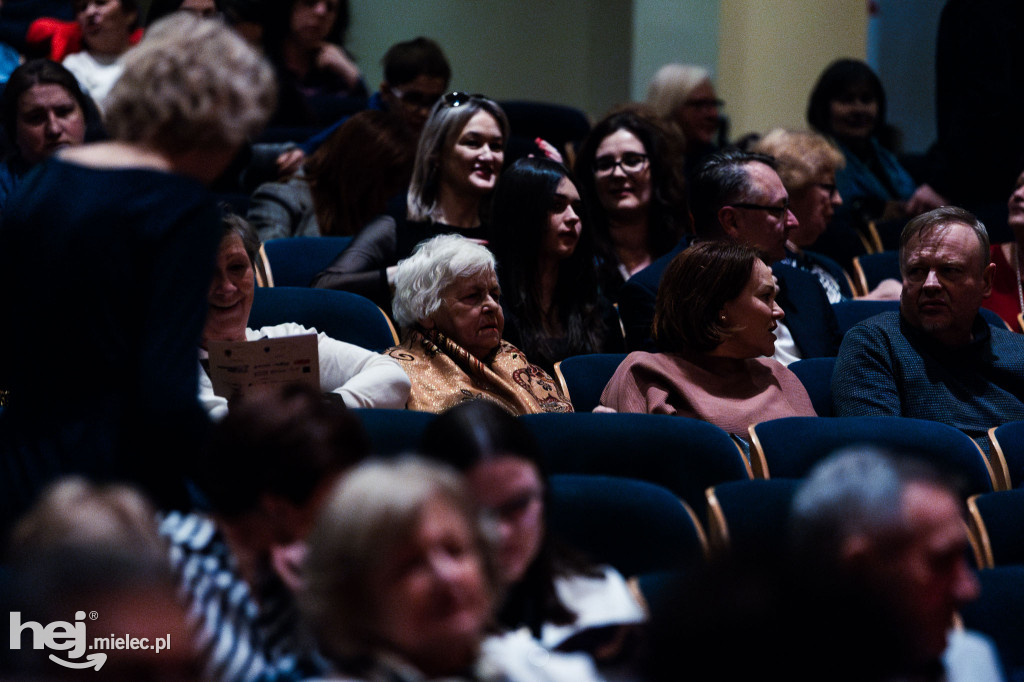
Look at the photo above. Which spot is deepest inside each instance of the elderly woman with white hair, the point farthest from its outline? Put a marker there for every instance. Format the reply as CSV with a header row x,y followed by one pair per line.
x,y
446,301
682,94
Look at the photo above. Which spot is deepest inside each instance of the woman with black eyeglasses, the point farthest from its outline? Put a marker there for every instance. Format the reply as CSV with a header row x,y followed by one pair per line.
x,y
459,157
631,183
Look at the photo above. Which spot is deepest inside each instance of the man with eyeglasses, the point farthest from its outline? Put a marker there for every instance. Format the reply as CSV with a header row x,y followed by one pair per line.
x,y
738,196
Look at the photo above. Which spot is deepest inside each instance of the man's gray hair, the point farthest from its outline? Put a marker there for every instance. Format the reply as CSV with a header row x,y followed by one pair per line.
x,y
941,217
436,264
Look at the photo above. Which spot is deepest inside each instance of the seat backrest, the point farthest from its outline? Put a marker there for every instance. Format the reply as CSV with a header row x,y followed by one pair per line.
x,y
295,261
1008,443
681,454
997,613
339,314
816,376
849,313
394,432
871,268
750,518
635,526
583,377
996,520
563,126
790,447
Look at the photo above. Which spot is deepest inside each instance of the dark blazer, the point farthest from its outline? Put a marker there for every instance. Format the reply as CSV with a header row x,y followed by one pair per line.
x,y
809,315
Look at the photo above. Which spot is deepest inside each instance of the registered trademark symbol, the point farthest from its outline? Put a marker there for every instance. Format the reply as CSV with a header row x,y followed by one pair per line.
x,y
93,615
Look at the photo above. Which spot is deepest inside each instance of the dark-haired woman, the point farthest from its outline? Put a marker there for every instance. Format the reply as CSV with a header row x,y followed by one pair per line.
x,y
42,110
848,105
304,39
713,323
557,596
546,266
630,176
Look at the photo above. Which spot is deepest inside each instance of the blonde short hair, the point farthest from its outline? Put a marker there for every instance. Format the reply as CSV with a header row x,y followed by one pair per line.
x,y
801,156
190,84
672,85
436,264
369,515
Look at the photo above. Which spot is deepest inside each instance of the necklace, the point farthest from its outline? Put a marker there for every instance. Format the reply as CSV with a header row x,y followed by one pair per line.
x,y
1020,288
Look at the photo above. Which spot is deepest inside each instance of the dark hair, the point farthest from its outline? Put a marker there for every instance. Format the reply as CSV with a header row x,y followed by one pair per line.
x,y
668,216
477,431
126,5
44,71
406,61
358,168
520,218
840,76
945,215
283,441
695,287
278,23
722,178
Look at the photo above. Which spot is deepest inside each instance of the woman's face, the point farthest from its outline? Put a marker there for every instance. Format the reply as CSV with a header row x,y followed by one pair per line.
x,y
433,600
854,113
204,8
564,226
509,487
622,193
106,25
470,314
312,20
753,315
814,206
48,118
473,163
698,115
230,297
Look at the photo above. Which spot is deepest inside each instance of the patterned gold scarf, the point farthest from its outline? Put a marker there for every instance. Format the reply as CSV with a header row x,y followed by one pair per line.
x,y
444,374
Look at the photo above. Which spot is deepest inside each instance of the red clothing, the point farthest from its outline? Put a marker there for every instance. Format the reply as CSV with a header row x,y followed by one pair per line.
x,y
1005,298
64,37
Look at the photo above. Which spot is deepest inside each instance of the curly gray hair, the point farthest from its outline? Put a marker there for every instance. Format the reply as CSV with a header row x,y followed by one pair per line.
x,y
421,279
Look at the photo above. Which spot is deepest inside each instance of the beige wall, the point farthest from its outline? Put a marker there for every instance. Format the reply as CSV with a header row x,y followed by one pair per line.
x,y
770,53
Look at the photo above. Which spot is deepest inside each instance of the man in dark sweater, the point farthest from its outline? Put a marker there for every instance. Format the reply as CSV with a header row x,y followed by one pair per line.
x,y
936,358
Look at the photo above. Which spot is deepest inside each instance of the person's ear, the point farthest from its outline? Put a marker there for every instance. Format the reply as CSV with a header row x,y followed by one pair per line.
x,y
986,278
854,550
728,218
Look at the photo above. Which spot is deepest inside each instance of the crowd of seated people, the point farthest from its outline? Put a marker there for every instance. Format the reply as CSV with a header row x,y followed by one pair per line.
x,y
294,558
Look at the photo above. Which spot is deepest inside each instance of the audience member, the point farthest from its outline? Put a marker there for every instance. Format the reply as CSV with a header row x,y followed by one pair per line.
x,y
713,322
848,105
87,548
269,466
401,585
458,160
107,27
882,544
42,110
344,185
739,197
360,377
1007,298
304,39
416,74
936,358
119,239
566,603
446,302
546,266
631,183
683,95
807,165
